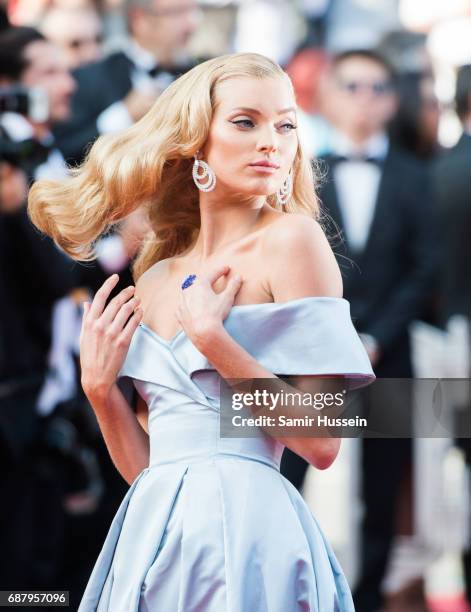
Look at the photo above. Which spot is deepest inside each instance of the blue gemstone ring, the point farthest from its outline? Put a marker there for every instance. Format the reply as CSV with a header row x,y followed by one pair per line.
x,y
188,281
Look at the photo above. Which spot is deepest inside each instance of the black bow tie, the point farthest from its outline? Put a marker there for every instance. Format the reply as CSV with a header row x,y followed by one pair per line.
x,y
173,71
337,159
155,71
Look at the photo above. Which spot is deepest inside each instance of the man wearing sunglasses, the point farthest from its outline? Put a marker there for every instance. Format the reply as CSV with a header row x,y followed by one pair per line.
x,y
117,91
378,198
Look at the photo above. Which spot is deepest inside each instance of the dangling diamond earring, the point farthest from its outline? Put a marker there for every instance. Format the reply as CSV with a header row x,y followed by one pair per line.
x,y
205,180
284,193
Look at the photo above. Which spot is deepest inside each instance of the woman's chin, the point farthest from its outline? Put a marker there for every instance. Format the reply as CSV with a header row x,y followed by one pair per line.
x,y
264,186
252,187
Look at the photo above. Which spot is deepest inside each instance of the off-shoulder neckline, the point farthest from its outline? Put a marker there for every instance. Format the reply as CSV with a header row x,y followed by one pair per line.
x,y
235,307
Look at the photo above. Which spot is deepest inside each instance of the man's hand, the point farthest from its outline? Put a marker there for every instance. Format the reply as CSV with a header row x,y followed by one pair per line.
x,y
372,348
139,103
13,188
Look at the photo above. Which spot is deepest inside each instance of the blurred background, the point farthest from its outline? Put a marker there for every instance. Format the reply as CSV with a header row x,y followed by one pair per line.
x,y
384,95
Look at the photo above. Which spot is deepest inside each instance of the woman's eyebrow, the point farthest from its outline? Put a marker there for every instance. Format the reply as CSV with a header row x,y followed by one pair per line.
x,y
257,112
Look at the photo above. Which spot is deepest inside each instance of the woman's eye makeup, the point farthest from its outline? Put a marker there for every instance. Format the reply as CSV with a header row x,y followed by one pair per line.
x,y
244,123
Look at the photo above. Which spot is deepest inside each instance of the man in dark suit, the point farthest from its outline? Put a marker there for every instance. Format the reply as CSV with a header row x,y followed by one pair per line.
x,y
34,274
114,93
453,191
378,198
51,451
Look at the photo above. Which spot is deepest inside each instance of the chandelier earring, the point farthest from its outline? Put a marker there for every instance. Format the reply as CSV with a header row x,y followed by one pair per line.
x,y
203,175
286,190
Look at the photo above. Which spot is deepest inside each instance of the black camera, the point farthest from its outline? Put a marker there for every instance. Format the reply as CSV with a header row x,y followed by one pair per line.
x,y
24,154
32,103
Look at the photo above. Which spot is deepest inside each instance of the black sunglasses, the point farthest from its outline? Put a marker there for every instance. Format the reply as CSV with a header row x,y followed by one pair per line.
x,y
378,88
76,43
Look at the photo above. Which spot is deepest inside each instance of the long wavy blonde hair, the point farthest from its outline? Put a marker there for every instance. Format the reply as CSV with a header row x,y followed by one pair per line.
x,y
150,163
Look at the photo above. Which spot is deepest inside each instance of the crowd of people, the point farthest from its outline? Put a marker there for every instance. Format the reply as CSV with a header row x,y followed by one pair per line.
x,y
395,207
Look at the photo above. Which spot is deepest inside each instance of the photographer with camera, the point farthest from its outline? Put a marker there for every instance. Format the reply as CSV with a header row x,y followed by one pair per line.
x,y
35,93
53,462
34,275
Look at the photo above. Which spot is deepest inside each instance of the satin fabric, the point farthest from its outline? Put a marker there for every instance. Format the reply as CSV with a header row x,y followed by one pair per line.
x,y
211,525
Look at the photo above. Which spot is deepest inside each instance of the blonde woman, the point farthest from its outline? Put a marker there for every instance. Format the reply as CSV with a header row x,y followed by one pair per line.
x,y
237,281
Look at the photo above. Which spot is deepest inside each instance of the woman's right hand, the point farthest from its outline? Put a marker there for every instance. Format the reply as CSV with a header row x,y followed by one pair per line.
x,y
105,337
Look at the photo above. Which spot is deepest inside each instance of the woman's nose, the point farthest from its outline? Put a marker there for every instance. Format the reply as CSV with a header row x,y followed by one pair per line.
x,y
268,141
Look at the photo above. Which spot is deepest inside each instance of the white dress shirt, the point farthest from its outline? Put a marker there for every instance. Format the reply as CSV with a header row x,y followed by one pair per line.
x,y
357,184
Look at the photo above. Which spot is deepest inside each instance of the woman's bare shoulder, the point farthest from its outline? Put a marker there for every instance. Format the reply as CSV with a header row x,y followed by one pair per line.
x,y
292,227
299,251
294,233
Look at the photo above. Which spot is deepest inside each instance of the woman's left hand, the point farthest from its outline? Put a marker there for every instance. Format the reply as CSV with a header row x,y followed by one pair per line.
x,y
201,311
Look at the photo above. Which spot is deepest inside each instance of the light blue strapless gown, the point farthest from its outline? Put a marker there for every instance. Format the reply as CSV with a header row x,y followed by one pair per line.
x,y
211,525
